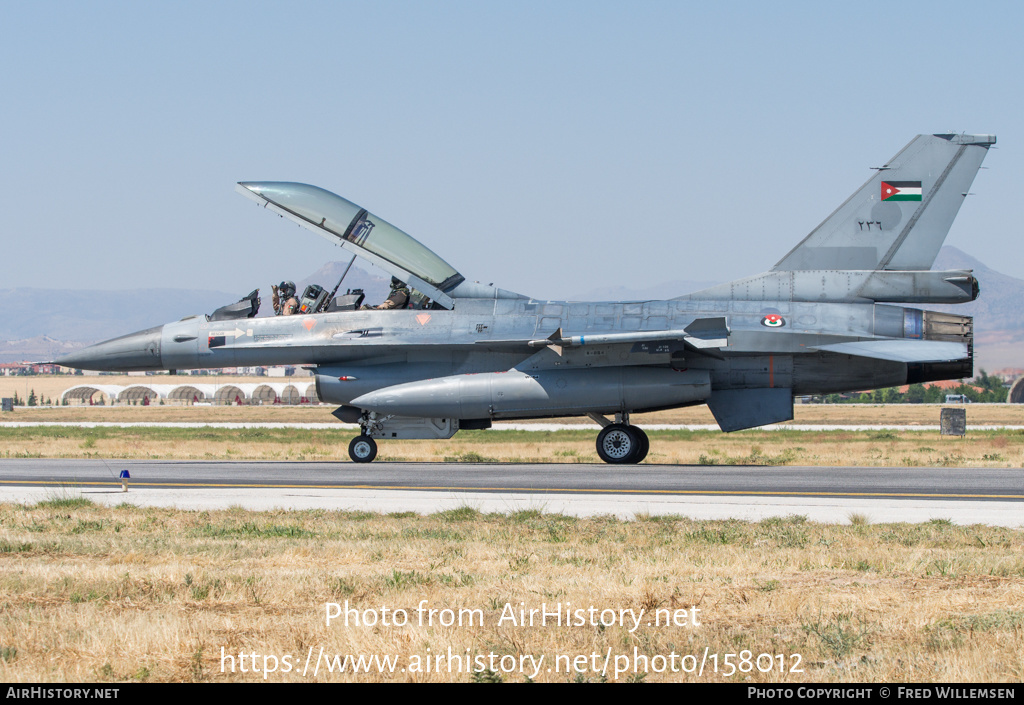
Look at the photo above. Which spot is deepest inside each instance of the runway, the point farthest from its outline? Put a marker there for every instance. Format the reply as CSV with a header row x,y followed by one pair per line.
x,y
831,495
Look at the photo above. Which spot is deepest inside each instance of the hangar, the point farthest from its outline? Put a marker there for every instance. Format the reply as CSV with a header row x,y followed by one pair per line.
x,y
1016,395
189,393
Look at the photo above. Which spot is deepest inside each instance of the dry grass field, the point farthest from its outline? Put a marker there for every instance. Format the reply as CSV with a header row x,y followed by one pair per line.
x,y
1003,448
575,444
92,594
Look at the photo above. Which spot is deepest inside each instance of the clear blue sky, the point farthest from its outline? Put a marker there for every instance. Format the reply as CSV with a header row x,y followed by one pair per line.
x,y
544,146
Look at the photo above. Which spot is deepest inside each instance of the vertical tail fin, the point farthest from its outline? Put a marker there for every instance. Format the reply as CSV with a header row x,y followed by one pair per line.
x,y
900,217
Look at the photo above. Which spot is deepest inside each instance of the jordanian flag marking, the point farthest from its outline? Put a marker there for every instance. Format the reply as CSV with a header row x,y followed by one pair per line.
x,y
901,190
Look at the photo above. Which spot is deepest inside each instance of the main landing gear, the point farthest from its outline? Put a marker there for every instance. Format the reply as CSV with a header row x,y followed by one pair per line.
x,y
620,442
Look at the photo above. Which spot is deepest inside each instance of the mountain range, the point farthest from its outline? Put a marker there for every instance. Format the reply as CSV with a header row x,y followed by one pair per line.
x,y
42,324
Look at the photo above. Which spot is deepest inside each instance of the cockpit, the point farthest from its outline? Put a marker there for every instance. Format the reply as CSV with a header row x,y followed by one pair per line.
x,y
360,232
432,281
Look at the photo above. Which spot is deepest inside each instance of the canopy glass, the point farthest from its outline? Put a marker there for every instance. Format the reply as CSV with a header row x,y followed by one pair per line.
x,y
339,218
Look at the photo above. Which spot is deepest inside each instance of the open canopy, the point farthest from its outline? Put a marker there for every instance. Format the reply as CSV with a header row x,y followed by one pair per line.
x,y
362,233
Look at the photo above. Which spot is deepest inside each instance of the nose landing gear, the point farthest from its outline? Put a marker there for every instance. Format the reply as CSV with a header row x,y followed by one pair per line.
x,y
362,449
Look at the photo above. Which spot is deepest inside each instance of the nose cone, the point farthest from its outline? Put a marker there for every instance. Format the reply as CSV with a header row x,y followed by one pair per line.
x,y
133,352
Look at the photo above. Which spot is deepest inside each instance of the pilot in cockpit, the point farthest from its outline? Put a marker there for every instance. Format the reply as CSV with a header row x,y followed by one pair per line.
x,y
398,298
284,300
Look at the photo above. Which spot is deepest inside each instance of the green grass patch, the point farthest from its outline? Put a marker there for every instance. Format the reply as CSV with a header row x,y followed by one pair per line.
x,y
841,635
65,503
254,530
463,513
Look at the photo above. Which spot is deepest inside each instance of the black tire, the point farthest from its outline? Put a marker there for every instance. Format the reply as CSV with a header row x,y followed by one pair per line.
x,y
619,444
645,444
362,449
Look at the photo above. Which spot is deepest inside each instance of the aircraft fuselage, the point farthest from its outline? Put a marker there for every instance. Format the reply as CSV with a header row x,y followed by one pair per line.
x,y
771,344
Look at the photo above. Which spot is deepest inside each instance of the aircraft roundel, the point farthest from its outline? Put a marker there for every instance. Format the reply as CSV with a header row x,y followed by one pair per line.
x,y
773,320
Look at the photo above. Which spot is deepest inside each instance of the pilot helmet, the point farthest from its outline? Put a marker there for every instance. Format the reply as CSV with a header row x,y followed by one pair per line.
x,y
396,282
287,288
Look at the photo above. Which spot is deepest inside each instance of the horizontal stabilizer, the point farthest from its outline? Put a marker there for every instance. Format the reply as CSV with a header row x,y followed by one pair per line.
x,y
737,409
902,350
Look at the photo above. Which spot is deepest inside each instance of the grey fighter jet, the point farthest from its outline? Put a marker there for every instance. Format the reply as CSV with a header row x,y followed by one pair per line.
x,y
828,317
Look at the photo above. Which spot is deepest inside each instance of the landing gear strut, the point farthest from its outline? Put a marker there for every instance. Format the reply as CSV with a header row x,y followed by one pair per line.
x,y
362,448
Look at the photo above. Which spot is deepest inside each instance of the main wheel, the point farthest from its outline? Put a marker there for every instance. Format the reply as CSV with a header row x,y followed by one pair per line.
x,y
362,449
645,444
619,443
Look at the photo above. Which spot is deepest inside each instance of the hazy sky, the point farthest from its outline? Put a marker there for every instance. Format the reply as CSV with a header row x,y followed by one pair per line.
x,y
542,146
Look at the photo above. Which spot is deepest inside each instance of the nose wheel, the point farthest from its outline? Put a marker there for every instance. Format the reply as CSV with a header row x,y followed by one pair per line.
x,y
622,444
362,449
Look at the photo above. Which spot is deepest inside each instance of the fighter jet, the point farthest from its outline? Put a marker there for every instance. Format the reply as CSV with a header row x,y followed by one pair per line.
x,y
828,317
